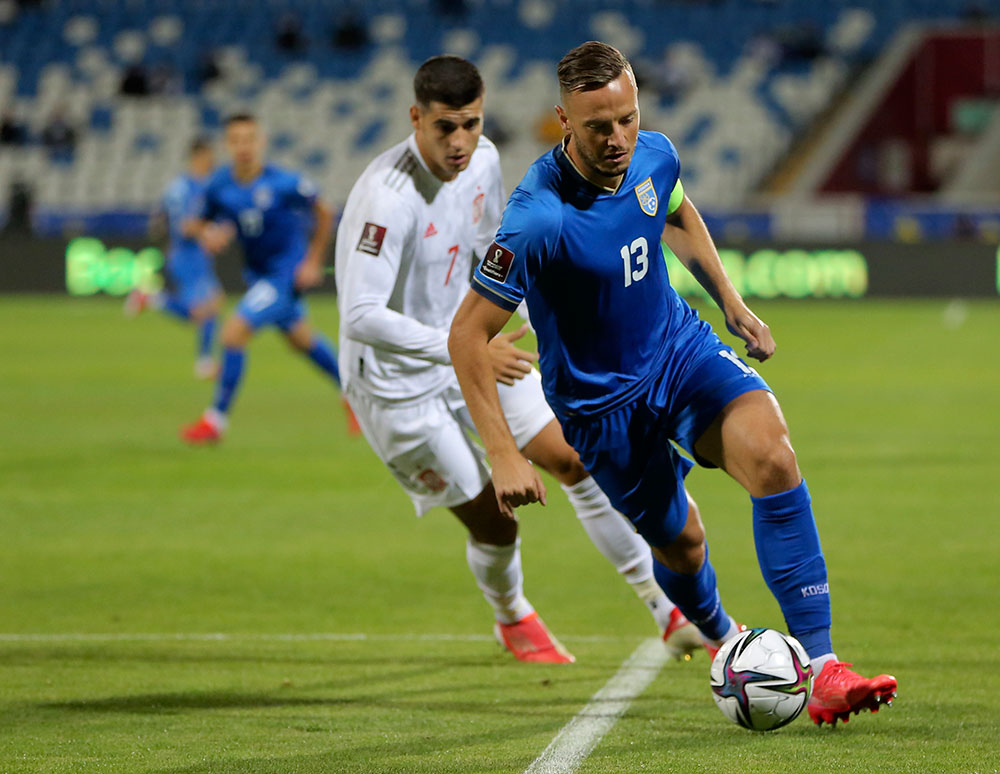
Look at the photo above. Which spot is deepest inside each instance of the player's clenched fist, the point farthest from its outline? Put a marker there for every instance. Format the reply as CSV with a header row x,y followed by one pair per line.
x,y
760,343
308,275
516,483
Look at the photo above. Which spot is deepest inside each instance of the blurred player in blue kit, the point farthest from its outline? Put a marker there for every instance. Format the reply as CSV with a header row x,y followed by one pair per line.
x,y
271,210
629,369
195,294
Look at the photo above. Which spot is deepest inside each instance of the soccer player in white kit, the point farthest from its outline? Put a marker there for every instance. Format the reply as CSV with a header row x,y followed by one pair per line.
x,y
412,226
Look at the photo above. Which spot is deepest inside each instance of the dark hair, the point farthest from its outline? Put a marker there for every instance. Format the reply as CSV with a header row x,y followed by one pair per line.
x,y
240,118
448,79
590,66
199,144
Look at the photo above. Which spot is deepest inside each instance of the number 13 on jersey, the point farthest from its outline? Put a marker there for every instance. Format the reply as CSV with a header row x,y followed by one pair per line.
x,y
636,259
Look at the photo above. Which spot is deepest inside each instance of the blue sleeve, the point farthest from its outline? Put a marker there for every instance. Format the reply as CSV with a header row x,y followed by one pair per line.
x,y
194,203
175,201
662,143
527,233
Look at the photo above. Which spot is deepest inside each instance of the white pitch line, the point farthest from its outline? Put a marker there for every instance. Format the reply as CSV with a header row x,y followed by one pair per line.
x,y
44,637
577,739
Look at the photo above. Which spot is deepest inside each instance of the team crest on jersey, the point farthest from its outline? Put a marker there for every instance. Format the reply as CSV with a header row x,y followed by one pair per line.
x,y
496,264
477,207
372,236
646,195
430,479
262,197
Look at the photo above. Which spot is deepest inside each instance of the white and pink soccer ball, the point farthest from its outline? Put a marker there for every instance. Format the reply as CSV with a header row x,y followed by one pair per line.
x,y
761,679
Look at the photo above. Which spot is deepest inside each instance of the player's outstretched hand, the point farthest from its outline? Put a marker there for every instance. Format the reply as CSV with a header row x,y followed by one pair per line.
x,y
754,331
308,275
516,483
510,363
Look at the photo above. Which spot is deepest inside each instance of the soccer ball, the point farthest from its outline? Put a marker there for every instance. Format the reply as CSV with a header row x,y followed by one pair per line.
x,y
761,679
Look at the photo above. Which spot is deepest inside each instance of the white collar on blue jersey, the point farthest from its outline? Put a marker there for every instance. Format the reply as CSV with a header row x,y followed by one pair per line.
x,y
565,142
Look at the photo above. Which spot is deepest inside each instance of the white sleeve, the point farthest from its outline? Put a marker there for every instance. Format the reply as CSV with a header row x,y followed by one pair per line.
x,y
493,205
374,254
522,311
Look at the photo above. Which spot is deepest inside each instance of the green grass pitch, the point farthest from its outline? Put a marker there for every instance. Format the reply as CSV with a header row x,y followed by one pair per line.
x,y
109,526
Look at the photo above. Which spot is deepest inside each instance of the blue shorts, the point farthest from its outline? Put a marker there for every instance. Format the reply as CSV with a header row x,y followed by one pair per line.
x,y
630,451
271,301
192,284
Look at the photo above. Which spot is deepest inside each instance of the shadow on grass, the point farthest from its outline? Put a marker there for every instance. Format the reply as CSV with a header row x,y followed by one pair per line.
x,y
411,700
169,703
447,750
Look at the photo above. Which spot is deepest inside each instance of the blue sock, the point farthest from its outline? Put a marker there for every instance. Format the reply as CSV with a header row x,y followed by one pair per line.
x,y
206,336
697,596
176,308
229,378
324,355
792,563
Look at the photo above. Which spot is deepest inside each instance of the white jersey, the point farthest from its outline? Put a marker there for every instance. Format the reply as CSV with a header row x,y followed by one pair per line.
x,y
406,246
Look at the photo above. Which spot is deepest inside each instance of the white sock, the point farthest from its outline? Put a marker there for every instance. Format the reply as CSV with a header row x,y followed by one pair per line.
x,y
620,544
820,661
497,570
216,419
659,604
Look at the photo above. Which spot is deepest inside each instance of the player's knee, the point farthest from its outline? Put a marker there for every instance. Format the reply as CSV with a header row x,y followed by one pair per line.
x,y
568,469
298,344
236,334
203,311
687,553
776,469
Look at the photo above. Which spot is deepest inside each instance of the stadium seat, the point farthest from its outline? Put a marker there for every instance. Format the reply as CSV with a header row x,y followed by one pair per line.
x,y
330,111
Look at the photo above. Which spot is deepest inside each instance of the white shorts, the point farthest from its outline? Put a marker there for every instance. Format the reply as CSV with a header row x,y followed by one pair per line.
x,y
427,445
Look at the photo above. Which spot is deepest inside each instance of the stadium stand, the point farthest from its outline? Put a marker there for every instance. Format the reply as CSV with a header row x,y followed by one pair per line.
x,y
732,81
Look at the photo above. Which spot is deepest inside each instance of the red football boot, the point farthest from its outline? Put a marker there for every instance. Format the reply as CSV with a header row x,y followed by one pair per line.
x,y
530,640
839,691
681,638
201,433
135,302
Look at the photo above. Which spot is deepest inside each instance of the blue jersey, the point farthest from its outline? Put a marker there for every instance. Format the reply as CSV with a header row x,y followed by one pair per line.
x,y
589,264
183,200
272,215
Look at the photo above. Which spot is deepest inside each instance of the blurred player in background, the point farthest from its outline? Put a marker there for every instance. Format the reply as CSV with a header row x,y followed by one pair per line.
x,y
271,210
195,294
630,369
405,248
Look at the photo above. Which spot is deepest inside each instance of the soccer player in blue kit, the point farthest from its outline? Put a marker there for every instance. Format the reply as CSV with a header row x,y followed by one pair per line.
x,y
196,294
629,368
270,209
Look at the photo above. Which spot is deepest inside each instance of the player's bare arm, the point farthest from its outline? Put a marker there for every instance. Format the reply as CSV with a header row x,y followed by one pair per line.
x,y
686,235
476,323
309,273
